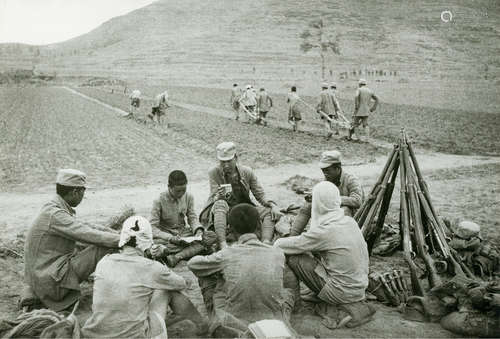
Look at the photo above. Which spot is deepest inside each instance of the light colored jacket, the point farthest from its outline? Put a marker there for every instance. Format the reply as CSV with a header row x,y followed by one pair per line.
x,y
251,286
343,258
169,215
248,177
362,102
161,100
49,246
249,98
123,286
325,103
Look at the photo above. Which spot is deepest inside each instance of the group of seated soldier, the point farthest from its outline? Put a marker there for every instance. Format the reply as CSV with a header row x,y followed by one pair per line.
x,y
244,273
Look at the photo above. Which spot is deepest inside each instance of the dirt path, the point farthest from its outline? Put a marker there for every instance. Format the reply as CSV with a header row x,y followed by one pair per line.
x,y
99,203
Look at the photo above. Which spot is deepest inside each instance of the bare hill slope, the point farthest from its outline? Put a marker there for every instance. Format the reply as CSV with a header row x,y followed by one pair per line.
x,y
227,37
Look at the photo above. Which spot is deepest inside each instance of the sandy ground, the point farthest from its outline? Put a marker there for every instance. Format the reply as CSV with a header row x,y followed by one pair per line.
x,y
19,209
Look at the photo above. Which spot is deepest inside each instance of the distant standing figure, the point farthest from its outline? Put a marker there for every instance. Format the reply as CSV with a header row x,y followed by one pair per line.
x,y
362,109
326,106
338,110
160,106
294,115
234,101
135,101
264,104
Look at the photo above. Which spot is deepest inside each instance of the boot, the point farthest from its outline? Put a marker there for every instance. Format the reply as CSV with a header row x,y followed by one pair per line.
x,y
184,254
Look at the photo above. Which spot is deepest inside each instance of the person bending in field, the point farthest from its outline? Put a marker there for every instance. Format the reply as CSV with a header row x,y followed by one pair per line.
x,y
246,282
135,102
52,268
337,271
173,217
294,115
231,184
351,191
159,108
264,104
132,293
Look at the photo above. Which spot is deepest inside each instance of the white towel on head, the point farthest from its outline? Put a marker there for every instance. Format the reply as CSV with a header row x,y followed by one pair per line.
x,y
140,228
325,204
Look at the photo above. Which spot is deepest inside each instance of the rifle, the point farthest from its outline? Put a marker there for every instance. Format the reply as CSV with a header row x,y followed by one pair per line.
x,y
361,214
414,206
366,224
435,224
404,219
386,200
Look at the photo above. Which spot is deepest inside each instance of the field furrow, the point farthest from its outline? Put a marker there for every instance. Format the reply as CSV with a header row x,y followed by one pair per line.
x,y
50,128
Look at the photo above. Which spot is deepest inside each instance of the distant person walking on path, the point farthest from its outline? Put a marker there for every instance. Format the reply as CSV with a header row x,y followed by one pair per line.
x,y
362,109
294,115
234,101
264,104
249,102
135,102
327,110
159,108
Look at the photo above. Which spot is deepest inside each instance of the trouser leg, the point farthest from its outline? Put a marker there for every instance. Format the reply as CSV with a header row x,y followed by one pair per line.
x,y
84,262
301,220
291,293
185,254
304,267
207,288
267,224
328,128
220,209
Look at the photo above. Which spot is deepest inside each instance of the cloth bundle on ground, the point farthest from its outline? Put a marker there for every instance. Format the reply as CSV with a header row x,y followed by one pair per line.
x,y
478,254
42,323
389,240
461,305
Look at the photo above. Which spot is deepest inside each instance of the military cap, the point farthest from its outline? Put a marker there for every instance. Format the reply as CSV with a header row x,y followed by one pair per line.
x,y
226,151
329,158
71,177
362,82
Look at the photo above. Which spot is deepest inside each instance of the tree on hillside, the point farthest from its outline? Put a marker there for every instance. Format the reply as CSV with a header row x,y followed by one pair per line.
x,y
317,37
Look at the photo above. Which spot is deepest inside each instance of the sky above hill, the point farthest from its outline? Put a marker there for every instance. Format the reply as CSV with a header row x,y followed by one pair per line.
x,y
48,21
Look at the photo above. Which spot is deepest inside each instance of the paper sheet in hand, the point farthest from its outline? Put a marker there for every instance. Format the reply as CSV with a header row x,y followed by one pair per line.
x,y
270,329
191,239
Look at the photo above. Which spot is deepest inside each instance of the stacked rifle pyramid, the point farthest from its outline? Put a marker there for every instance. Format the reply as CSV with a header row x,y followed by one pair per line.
x,y
423,232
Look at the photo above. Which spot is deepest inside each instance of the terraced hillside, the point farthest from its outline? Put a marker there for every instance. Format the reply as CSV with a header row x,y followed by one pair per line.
x,y
260,39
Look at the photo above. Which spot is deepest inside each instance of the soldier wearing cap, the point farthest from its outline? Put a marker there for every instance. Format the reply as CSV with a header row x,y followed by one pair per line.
x,y
52,268
363,107
231,184
326,105
351,191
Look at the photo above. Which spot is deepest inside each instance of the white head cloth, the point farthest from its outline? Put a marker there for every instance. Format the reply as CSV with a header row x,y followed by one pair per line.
x,y
140,228
325,204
